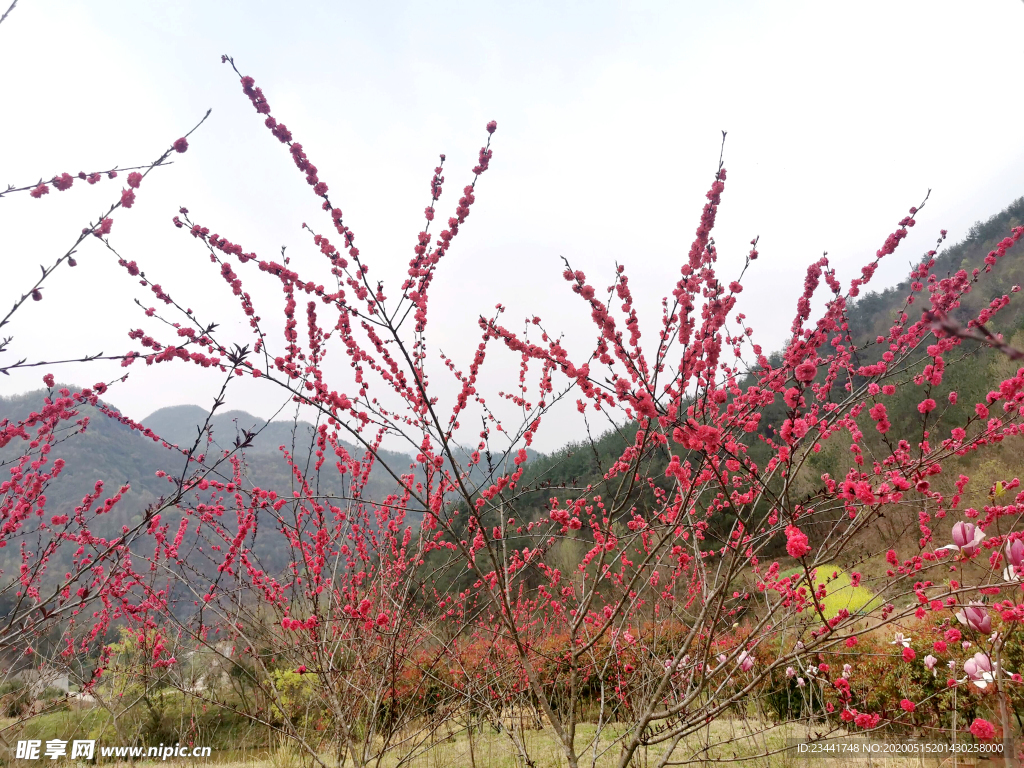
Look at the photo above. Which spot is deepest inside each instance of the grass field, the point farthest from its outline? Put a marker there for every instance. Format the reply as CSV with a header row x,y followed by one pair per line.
x,y
842,594
734,744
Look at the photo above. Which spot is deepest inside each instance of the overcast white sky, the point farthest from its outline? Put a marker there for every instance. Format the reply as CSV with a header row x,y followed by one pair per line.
x,y
840,117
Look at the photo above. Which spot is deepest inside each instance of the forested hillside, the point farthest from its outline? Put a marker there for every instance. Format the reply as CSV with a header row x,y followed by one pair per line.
x,y
584,463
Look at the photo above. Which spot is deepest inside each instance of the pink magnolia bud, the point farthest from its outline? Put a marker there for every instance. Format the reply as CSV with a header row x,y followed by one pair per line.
x,y
967,537
1014,560
963,533
1015,552
979,670
976,617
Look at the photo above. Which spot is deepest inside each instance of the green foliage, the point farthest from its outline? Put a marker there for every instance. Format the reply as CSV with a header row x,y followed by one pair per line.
x,y
298,695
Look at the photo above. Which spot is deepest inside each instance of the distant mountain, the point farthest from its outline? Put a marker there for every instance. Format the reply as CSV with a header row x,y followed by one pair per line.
x,y
112,452
116,454
180,425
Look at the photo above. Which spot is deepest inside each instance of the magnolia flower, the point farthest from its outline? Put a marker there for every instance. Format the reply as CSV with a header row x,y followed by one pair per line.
x,y
981,670
930,662
800,682
976,617
790,672
977,666
966,644
746,661
847,669
1014,561
721,658
966,538
900,639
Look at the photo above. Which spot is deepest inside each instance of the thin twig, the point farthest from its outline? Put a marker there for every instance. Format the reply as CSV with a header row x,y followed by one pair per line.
x,y
978,332
8,11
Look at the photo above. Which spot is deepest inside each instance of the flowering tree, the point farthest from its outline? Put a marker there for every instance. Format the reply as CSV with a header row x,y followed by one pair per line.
x,y
67,576
695,571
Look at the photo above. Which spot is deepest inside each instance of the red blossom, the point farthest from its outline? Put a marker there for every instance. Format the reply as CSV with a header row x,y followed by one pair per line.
x,y
63,182
797,544
806,372
983,730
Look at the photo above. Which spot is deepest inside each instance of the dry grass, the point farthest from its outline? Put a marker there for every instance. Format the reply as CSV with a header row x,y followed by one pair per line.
x,y
726,742
732,744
